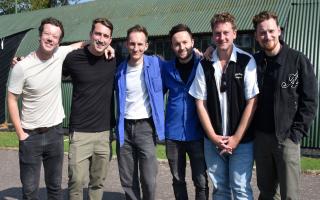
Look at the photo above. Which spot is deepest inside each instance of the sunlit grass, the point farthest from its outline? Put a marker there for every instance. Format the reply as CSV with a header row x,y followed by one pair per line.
x,y
10,140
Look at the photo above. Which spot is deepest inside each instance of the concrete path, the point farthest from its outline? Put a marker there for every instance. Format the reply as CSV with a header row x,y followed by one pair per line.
x,y
10,186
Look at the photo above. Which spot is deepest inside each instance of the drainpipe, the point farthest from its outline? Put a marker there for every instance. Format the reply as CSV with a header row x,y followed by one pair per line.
x,y
16,7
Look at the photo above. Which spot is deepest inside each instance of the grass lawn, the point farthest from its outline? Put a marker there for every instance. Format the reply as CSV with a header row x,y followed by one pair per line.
x,y
310,164
9,140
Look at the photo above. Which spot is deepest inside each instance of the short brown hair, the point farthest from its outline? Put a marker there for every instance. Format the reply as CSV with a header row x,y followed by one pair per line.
x,y
52,21
262,16
223,18
103,21
179,28
137,28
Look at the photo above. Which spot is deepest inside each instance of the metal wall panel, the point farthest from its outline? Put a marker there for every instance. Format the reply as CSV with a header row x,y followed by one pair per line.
x,y
66,101
303,33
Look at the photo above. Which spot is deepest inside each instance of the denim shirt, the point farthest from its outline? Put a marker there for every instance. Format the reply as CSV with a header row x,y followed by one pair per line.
x,y
182,122
152,76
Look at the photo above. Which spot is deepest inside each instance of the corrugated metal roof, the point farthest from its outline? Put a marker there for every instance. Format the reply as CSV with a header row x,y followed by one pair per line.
x,y
157,15
302,33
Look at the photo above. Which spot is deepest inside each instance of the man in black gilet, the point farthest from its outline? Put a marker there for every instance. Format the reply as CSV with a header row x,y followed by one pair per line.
x,y
226,91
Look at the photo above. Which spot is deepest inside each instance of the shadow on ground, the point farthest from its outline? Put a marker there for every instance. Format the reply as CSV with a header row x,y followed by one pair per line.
x,y
15,193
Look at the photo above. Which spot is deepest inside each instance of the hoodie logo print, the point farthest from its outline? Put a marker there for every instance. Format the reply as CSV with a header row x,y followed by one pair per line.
x,y
292,82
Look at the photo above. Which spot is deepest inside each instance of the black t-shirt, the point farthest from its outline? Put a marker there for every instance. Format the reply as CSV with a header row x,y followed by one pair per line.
x,y
265,109
92,108
185,69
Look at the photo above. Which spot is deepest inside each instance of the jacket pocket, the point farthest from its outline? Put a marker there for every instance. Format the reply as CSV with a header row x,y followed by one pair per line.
x,y
292,107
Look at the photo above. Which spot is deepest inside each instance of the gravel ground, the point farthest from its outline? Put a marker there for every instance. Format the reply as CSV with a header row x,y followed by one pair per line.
x,y
10,186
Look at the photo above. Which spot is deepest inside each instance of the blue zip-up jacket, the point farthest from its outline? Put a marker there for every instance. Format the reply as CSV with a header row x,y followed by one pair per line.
x,y
152,76
182,122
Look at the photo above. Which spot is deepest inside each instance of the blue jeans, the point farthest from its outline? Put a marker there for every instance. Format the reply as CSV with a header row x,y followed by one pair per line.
x,y
230,175
137,157
176,153
42,147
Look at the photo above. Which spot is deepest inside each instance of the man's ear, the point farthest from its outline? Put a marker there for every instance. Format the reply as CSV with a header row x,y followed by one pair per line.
x,y
235,34
279,29
255,35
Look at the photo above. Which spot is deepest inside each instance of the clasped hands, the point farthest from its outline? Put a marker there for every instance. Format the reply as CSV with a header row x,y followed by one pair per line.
x,y
226,144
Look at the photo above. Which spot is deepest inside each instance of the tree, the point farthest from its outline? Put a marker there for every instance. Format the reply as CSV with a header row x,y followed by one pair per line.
x,y
8,6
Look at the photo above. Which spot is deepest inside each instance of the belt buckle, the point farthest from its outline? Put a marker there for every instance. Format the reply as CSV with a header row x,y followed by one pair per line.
x,y
42,130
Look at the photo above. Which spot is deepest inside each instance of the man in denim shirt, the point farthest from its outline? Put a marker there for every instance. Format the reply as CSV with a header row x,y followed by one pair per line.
x,y
183,131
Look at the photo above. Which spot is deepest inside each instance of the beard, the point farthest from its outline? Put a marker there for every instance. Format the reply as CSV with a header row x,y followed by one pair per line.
x,y
186,57
269,45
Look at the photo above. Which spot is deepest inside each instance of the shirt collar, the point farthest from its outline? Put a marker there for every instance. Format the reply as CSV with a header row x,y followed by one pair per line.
x,y
233,56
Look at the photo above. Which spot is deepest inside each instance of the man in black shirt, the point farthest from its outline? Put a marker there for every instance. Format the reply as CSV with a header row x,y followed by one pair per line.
x,y
92,112
286,108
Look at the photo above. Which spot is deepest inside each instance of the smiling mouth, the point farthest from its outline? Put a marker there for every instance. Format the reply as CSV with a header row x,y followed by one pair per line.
x,y
49,45
268,43
99,43
100,46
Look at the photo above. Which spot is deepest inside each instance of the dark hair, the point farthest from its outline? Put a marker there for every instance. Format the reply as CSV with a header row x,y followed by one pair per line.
x,y
137,28
262,16
52,21
179,28
223,18
103,21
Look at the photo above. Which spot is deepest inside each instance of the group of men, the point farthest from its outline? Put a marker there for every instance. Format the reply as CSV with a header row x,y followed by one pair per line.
x,y
212,112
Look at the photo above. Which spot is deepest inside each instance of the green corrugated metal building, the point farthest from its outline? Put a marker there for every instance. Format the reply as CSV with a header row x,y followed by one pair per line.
x,y
299,19
157,15
302,32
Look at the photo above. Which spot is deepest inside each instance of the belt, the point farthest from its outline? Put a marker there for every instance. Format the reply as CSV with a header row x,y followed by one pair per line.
x,y
134,121
39,130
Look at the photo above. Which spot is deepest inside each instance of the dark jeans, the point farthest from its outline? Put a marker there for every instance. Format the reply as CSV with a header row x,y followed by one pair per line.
x,y
277,164
176,153
42,147
138,153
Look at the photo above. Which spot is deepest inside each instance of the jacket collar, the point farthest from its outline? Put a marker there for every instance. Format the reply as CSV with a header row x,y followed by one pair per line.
x,y
281,56
174,70
146,62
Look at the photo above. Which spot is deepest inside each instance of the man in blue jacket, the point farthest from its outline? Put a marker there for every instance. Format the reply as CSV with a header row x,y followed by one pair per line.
x,y
140,111
183,131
